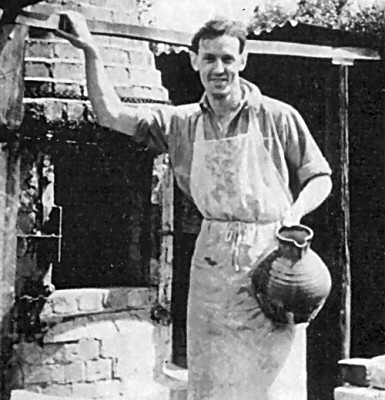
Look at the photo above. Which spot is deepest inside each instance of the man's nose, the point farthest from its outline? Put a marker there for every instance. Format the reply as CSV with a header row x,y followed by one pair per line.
x,y
219,66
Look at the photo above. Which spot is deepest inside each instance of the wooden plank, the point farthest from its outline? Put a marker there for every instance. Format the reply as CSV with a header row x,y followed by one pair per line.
x,y
181,38
253,46
345,312
311,51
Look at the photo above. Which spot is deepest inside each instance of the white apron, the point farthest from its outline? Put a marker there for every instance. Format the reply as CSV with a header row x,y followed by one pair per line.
x,y
234,351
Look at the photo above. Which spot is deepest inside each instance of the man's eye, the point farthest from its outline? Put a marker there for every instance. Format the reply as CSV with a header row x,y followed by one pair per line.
x,y
209,59
228,60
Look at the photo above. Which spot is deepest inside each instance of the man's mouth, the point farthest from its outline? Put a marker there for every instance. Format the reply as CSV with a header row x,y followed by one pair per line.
x,y
219,80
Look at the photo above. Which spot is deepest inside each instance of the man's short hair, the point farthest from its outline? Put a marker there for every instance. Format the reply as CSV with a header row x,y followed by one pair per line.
x,y
218,27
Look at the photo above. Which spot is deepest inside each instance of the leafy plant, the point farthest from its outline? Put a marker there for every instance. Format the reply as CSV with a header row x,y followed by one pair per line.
x,y
144,7
335,14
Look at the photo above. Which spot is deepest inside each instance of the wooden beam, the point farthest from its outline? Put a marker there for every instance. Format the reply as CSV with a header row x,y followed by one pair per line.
x,y
311,51
345,263
180,38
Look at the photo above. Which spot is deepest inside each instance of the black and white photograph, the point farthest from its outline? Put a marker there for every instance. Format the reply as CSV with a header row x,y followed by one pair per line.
x,y
192,200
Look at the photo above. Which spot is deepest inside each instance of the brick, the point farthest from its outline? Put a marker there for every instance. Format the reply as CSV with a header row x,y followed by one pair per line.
x,y
85,389
83,350
64,50
124,298
141,353
358,393
43,374
38,88
124,91
57,390
67,90
100,329
91,299
70,331
114,55
64,304
128,43
109,389
102,40
143,58
39,48
117,74
29,353
114,347
75,372
37,69
98,370
52,354
68,70
75,112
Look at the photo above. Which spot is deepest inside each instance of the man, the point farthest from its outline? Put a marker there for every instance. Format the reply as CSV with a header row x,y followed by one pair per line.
x,y
233,154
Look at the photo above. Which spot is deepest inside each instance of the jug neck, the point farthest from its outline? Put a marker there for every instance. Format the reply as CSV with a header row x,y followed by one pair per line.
x,y
294,241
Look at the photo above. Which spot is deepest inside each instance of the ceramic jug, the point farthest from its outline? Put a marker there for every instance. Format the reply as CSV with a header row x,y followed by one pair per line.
x,y
292,283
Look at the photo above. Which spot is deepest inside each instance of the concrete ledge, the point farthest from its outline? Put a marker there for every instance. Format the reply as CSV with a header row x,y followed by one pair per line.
x,y
26,395
78,302
358,393
364,371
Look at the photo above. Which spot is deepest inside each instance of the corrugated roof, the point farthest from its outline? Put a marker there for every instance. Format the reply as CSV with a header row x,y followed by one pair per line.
x,y
298,32
295,32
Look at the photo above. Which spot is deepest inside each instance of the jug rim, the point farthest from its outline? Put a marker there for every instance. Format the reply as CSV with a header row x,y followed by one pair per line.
x,y
306,239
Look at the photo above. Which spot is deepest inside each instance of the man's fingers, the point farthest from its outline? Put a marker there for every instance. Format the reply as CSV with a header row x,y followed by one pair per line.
x,y
72,39
65,24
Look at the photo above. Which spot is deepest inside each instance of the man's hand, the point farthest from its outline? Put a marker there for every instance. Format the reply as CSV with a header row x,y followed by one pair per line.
x,y
73,27
293,217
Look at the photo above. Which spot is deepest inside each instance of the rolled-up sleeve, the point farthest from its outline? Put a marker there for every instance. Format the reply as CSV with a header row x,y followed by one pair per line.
x,y
302,153
153,127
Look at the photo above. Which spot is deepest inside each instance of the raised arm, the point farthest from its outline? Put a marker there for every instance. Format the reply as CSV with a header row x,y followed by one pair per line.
x,y
109,110
310,198
310,167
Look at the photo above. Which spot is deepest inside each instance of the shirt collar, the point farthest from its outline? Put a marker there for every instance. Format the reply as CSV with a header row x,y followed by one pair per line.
x,y
251,96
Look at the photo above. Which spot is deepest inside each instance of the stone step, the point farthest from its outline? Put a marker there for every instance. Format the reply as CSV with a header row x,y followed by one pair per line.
x,y
364,371
358,393
26,395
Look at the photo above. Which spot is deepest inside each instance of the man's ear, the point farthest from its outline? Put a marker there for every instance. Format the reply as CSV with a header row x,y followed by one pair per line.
x,y
194,60
244,60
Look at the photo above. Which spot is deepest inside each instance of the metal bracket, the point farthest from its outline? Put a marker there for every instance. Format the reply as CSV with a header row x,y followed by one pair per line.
x,y
54,225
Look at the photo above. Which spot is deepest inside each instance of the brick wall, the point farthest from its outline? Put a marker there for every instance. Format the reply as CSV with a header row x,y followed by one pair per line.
x,y
99,344
93,343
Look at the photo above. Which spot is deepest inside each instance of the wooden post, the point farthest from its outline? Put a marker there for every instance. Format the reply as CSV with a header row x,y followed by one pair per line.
x,y
345,315
165,278
12,44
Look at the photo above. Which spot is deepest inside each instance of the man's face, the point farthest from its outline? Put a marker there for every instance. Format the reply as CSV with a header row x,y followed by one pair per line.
x,y
219,62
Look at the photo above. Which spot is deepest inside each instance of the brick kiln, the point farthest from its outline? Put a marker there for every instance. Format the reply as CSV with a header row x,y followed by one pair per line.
x,y
86,226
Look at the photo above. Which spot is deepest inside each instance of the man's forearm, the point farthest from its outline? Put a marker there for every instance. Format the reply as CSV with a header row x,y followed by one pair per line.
x,y
105,101
310,198
107,107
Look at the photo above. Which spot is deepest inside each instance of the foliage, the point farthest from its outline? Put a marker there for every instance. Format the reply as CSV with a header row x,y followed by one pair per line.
x,y
144,7
336,14
368,20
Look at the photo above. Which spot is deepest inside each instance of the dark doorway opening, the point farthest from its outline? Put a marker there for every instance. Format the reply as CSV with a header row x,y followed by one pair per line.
x,y
104,189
